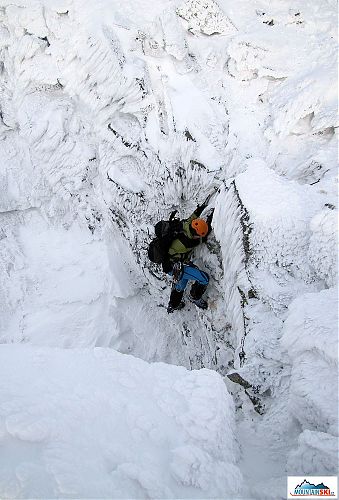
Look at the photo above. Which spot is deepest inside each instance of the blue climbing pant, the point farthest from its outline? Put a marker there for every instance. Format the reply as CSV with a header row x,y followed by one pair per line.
x,y
191,273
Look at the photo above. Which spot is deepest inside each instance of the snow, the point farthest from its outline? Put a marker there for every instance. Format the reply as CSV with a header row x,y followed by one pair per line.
x,y
310,337
230,236
113,114
205,17
316,451
315,317
96,423
322,252
55,291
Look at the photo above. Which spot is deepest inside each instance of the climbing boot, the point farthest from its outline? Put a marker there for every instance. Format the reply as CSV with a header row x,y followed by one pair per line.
x,y
201,303
171,309
197,290
175,302
195,295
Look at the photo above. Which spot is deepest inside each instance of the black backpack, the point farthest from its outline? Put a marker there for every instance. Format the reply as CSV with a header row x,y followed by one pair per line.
x,y
166,232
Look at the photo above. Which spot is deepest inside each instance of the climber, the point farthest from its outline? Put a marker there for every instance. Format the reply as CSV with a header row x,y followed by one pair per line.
x,y
194,231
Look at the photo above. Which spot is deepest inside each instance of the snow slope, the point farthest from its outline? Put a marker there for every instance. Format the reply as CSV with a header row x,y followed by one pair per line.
x,y
113,114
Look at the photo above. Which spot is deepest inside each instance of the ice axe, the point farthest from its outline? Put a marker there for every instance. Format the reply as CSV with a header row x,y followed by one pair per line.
x,y
210,196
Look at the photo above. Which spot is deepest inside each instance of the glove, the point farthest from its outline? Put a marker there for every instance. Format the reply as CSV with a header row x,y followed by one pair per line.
x,y
201,208
210,217
167,266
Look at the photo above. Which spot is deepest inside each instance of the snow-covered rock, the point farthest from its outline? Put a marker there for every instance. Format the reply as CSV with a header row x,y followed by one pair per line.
x,y
310,338
205,16
227,225
315,452
322,252
96,423
280,214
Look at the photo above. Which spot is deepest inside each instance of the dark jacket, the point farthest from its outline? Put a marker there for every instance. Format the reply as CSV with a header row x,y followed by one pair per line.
x,y
182,247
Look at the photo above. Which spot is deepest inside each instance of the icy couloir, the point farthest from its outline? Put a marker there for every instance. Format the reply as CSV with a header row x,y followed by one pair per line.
x,y
96,423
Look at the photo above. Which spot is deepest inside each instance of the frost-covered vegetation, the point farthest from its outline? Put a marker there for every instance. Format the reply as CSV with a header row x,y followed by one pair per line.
x,y
112,115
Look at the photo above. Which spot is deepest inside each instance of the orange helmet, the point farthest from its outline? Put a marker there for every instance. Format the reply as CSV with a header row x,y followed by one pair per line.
x,y
200,227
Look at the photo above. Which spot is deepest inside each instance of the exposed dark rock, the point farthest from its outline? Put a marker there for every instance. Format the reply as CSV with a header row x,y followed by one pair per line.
x,y
189,136
237,379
